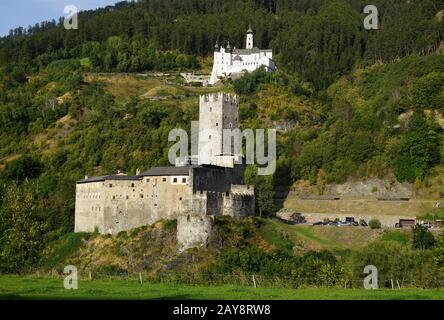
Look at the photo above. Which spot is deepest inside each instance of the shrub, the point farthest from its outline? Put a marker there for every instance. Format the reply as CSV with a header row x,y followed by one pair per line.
x,y
196,84
170,224
392,259
122,234
374,224
109,270
22,168
396,235
62,249
422,238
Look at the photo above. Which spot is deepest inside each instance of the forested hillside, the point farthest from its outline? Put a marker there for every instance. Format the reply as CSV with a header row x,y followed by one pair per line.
x,y
358,103
319,39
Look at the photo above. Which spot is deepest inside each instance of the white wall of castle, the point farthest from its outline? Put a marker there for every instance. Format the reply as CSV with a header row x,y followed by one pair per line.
x,y
224,63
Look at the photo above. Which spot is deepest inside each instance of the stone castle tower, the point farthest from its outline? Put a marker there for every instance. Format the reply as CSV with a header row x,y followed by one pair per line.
x,y
217,112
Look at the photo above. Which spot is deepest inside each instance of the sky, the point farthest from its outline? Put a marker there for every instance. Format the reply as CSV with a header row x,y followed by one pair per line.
x,y
16,13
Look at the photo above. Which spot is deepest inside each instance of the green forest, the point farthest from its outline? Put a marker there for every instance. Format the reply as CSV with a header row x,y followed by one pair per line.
x,y
362,103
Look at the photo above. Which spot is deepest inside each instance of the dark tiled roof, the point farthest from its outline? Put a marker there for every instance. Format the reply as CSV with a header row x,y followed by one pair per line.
x,y
119,177
168,171
250,51
155,171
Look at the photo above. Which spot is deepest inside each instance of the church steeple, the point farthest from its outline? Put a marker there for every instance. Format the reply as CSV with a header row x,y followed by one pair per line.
x,y
250,39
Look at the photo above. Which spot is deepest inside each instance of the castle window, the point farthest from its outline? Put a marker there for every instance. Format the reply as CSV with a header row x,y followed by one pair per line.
x,y
132,185
217,124
110,185
147,180
209,137
184,180
227,194
141,196
127,197
164,179
175,180
180,199
188,218
114,197
211,109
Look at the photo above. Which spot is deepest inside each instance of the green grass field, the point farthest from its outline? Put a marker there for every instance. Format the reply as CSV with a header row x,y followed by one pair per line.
x,y
15,287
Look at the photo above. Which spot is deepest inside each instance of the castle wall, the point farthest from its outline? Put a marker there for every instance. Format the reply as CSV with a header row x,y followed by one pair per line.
x,y
216,178
240,202
116,205
215,203
168,196
90,207
126,206
193,230
224,63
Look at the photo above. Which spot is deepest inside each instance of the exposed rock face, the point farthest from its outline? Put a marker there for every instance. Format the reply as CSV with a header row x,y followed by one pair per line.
x,y
290,216
372,188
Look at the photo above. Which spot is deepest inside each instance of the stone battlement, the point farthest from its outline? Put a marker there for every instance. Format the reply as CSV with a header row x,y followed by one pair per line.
x,y
218,97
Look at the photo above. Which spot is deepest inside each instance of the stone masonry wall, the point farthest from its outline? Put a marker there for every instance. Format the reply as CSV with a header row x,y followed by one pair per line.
x,y
112,206
193,230
89,212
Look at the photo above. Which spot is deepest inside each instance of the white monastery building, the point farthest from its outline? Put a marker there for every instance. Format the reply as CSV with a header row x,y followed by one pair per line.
x,y
229,62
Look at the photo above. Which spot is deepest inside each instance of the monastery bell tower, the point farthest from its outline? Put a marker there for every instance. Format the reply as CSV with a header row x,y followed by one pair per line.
x,y
249,38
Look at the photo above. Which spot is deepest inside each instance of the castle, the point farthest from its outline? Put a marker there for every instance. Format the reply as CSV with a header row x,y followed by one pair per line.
x,y
191,193
231,61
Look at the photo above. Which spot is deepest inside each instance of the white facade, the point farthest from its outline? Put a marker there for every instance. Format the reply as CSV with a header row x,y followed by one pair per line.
x,y
229,61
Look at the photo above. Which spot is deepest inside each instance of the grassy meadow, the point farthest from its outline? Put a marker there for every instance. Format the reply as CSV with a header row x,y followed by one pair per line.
x,y
16,287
